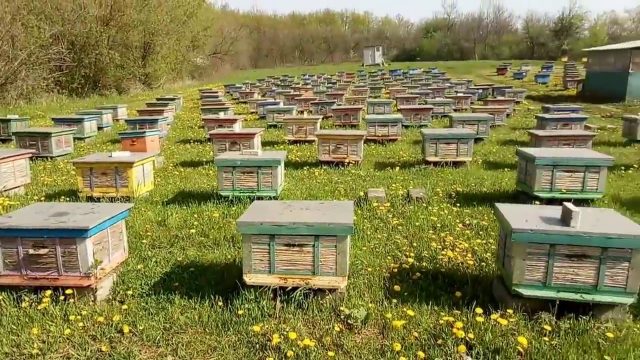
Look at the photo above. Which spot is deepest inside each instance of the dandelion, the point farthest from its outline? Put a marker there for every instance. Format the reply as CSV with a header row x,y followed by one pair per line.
x,y
411,312
396,288
458,325
420,355
290,353
524,343
240,312
100,319
331,354
387,315
256,328
275,339
545,338
336,327
124,307
396,347
125,329
479,319
470,336
478,311
461,349
308,342
48,293
68,291
494,316
116,318
546,327
502,321
510,311
402,358
67,331
609,335
460,334
458,294
36,331
292,335
397,324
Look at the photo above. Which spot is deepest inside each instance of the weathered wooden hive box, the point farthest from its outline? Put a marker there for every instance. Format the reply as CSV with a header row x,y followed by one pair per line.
x,y
320,92
568,253
168,105
11,123
407,99
274,114
560,121
149,123
86,125
177,100
140,140
301,127
375,91
337,96
303,103
561,109
461,102
631,127
502,70
473,93
346,115
105,118
459,85
499,113
290,98
483,91
416,115
499,90
437,91
502,101
116,174
562,173
518,94
441,106
258,173
72,245
561,138
297,243
341,146
355,100
157,112
359,91
322,107
425,95
395,91
224,109
380,106
252,104
264,103
226,140
479,123
15,170
215,102
213,122
384,127
447,145
279,94
119,111
244,95
46,141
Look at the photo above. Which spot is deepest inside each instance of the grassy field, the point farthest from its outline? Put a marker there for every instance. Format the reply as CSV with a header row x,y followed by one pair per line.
x,y
417,271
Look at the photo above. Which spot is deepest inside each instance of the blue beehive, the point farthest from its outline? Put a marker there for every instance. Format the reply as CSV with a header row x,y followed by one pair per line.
x,y
519,75
543,78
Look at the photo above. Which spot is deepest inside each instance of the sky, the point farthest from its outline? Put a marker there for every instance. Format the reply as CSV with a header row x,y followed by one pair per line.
x,y
420,9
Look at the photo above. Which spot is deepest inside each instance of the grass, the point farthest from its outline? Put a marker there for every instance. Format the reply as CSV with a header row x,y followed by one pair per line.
x,y
180,294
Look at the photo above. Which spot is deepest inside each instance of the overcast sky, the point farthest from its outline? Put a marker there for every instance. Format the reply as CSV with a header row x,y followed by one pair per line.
x,y
419,9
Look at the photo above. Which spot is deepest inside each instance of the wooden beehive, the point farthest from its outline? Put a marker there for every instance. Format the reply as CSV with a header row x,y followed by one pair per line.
x,y
499,113
303,103
461,102
86,126
157,112
518,94
502,70
226,140
116,174
15,170
416,115
290,98
105,118
386,127
259,173
483,91
341,146
11,123
379,106
359,91
297,243
140,141
447,145
274,114
69,245
322,107
168,105
149,123
355,100
441,106
561,109
395,91
301,127
562,173
560,121
631,127
424,95
225,109
119,111
252,104
280,93
244,95
261,106
561,138
46,141
337,96
407,99
345,115
568,253
177,100
213,122
479,123
499,91
502,101
375,91
459,85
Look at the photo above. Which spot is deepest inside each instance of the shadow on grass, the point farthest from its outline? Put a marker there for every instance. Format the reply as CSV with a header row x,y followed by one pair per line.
x,y
475,198
189,141
192,164
68,194
620,167
631,203
273,143
299,165
499,165
549,98
391,165
513,142
194,197
612,143
114,141
201,280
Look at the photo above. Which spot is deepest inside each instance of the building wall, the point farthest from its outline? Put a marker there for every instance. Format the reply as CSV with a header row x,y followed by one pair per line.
x,y
608,75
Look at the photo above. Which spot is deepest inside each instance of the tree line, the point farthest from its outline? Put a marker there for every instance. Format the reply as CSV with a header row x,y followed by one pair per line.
x,y
83,47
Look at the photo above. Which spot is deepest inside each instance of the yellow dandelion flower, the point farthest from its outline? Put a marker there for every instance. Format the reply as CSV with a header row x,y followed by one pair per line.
x,y
61,298
458,325
460,334
240,312
124,307
35,331
470,336
125,329
68,291
331,354
545,338
308,342
256,328
396,288
547,327
336,327
461,349
290,353
67,331
48,293
275,339
494,316
479,319
100,319
387,315
509,311
421,355
396,347
397,324
524,343
104,348
478,311
402,358
502,321
292,335
116,318
609,335
458,294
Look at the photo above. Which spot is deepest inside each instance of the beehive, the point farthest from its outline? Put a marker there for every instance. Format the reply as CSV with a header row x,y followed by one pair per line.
x,y
542,78
484,91
500,90
105,118
379,106
416,115
437,91
407,99
140,141
395,91
168,105
15,170
562,173
176,99
226,140
303,103
86,126
560,121
461,102
157,112
259,173
441,107
213,122
12,123
244,95
345,115
567,253
561,109
499,113
297,243
473,93
479,123
71,245
355,100
341,146
274,114
261,106
510,103
519,75
631,127
384,127
360,91
149,123
337,96
252,105
225,109
279,94
424,95
301,127
290,98
322,107
46,141
502,70
447,145
518,94
119,111
561,138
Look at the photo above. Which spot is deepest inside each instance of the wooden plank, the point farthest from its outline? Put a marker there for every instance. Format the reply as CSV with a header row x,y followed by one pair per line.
x,y
247,262
518,261
342,256
541,293
633,281
314,282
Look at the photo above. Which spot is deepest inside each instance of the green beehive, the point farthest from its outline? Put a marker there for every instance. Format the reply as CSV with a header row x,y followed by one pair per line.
x,y
86,125
11,123
251,173
479,123
46,141
379,106
447,145
105,118
441,106
561,121
384,127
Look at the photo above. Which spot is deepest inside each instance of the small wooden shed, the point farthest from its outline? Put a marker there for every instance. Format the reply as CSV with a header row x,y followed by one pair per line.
x,y
613,72
372,55
297,243
251,173
15,170
341,146
11,123
447,145
46,141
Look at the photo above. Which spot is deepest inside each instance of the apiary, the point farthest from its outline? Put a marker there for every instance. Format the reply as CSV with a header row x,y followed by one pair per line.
x,y
322,107
355,100
518,94
264,103
568,253
561,109
379,106
105,118
447,145
416,115
345,115
140,140
225,109
384,127
631,127
301,127
441,106
560,121
149,123
297,243
68,245
500,90
479,123
341,146
499,113
86,125
337,96
461,102
510,103
561,138
11,123
212,122
254,173
176,99
407,99
46,141
227,140
116,174
244,95
274,114
15,170
562,173
119,111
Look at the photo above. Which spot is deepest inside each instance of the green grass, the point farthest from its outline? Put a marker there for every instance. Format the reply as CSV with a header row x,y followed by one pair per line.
x,y
182,283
